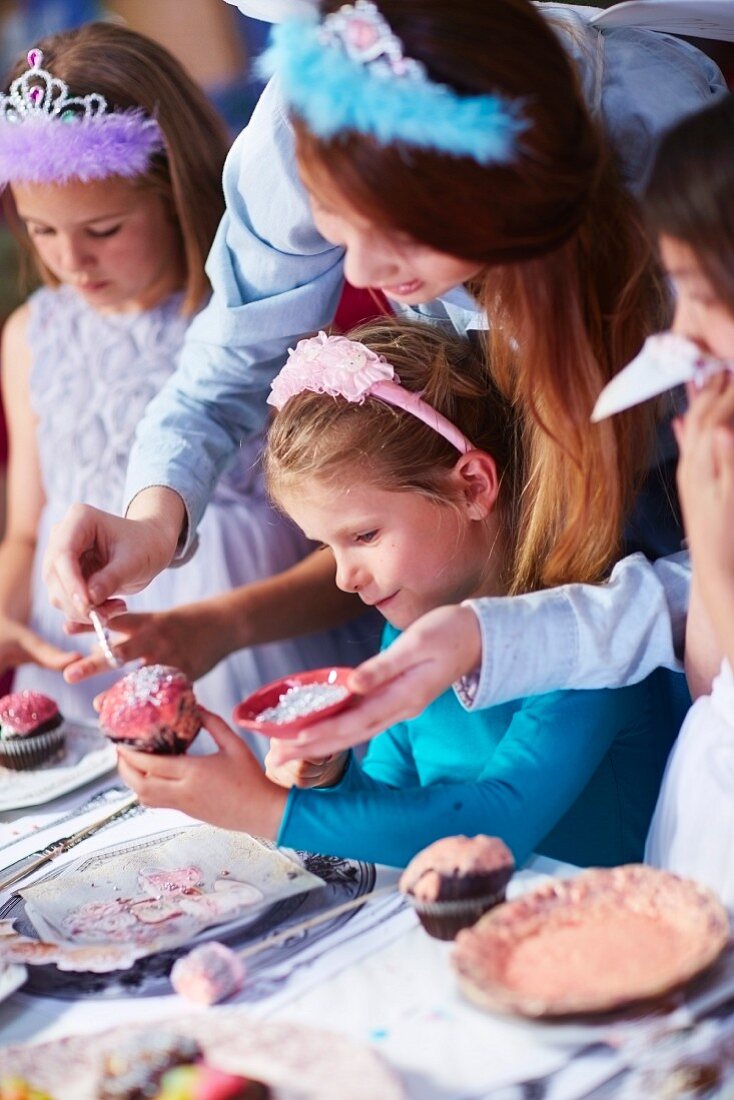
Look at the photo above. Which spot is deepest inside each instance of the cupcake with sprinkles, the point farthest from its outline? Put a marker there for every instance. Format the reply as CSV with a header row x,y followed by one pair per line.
x,y
153,709
31,730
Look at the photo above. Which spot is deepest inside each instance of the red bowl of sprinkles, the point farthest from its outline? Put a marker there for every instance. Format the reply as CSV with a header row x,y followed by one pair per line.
x,y
286,706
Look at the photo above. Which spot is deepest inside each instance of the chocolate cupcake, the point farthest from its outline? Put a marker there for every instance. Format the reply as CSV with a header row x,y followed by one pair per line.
x,y
453,882
153,709
31,730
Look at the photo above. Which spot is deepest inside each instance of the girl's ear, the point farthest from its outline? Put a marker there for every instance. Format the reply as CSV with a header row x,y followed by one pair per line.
x,y
478,483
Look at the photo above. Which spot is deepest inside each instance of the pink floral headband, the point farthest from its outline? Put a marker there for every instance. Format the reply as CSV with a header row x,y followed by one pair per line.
x,y
345,368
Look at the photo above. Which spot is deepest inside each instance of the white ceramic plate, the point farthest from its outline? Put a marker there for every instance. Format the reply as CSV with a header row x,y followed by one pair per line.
x,y
86,756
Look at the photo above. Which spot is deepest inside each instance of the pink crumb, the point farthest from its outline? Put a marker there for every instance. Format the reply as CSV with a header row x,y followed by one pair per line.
x,y
208,974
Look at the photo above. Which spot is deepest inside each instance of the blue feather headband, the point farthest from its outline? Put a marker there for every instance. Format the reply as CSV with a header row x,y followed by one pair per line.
x,y
335,86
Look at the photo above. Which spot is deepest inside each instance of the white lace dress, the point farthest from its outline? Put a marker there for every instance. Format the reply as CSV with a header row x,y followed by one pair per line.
x,y
92,376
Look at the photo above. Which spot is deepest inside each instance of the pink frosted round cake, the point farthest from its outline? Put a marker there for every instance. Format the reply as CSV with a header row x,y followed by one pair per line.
x,y
31,730
152,709
208,974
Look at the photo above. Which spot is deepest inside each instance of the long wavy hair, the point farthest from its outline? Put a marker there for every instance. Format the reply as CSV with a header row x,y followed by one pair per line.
x,y
568,278
130,70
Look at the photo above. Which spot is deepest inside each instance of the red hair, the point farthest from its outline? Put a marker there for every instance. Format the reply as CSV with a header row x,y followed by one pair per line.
x,y
569,282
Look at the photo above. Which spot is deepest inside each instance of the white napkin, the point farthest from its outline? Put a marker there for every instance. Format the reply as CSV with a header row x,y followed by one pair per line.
x,y
666,361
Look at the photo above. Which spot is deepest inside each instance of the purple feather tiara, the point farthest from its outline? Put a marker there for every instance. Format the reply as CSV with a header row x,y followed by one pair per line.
x,y
48,136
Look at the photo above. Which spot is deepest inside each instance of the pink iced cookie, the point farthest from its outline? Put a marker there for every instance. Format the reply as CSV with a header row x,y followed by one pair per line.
x,y
208,974
153,709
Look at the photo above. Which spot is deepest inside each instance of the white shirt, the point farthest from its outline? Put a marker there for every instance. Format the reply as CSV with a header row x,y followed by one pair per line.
x,y
692,830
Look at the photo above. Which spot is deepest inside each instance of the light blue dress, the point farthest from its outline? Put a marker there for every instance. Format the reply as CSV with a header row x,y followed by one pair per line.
x,y
91,379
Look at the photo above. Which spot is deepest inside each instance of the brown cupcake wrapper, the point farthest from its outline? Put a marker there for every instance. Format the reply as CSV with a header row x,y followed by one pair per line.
x,y
28,752
468,887
158,746
444,919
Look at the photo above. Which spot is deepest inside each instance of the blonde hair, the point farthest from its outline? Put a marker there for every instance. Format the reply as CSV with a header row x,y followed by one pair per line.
x,y
130,70
316,436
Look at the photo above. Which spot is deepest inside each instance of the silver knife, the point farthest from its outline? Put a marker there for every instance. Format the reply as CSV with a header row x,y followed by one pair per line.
x,y
30,863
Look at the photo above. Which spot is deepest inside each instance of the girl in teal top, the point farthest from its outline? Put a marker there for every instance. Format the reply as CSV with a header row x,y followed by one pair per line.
x,y
396,453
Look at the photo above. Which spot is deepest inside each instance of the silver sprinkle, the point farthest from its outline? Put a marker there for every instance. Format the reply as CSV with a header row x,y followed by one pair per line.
x,y
300,700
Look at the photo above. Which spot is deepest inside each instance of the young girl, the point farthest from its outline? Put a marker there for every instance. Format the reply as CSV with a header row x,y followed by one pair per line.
x,y
113,159
454,155
691,200
396,452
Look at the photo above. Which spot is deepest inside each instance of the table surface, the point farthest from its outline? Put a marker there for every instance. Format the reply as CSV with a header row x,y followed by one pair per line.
x,y
378,979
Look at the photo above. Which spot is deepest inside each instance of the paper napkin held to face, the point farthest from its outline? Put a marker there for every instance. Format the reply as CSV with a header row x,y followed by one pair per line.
x,y
666,361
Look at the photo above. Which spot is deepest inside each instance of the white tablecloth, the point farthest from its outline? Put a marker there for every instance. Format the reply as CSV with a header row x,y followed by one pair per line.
x,y
379,979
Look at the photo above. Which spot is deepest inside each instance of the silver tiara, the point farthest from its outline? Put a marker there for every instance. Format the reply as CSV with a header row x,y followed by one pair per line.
x,y
36,94
367,38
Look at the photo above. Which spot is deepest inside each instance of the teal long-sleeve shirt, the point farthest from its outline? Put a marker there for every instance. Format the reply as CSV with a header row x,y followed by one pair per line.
x,y
572,774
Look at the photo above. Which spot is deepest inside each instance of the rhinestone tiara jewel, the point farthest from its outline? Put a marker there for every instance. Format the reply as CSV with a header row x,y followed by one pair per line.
x,y
366,37
36,94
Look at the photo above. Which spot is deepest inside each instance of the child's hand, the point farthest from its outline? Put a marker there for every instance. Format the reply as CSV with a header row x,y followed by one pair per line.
x,y
398,683
159,638
706,480
93,555
19,645
227,788
303,773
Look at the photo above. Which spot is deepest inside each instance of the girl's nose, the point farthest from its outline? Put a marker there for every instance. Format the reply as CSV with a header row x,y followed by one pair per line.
x,y
687,322
74,255
349,576
367,265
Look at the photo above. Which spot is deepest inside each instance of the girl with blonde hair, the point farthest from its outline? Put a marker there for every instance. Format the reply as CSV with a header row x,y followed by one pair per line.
x,y
396,452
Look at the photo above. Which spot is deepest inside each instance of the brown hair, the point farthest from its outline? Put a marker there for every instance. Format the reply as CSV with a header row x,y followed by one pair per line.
x,y
130,71
569,281
690,192
319,436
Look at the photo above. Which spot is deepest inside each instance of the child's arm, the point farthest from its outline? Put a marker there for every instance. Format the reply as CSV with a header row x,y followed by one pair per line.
x,y
25,500
301,600
575,636
706,486
552,748
703,652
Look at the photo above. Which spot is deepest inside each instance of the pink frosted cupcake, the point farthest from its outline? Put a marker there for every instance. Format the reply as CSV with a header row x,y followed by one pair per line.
x,y
451,883
153,709
31,730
